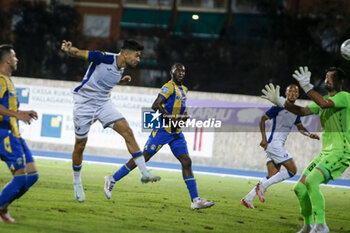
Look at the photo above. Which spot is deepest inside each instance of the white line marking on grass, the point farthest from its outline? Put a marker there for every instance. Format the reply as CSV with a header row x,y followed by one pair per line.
x,y
178,170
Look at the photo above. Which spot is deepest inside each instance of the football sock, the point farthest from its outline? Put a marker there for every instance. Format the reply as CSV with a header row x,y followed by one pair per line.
x,y
139,161
123,171
191,186
278,177
10,191
77,173
312,182
252,193
32,177
304,202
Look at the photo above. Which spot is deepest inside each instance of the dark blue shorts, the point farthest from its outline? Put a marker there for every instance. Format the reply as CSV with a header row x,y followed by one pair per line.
x,y
14,152
160,137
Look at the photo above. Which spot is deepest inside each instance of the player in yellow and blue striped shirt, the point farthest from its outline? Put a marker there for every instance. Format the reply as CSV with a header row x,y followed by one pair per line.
x,y
13,149
171,102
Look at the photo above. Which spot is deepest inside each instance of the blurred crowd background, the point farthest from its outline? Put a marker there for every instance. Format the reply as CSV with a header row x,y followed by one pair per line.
x,y
228,46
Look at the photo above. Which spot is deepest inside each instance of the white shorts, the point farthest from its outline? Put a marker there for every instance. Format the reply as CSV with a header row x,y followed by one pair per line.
x,y
85,114
277,154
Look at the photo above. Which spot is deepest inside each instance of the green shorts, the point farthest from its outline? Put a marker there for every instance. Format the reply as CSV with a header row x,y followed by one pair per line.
x,y
333,164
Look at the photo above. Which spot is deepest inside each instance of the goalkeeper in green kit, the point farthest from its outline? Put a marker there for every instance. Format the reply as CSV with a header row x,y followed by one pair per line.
x,y
334,112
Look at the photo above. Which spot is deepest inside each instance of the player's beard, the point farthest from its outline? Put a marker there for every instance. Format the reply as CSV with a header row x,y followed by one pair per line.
x,y
130,65
329,88
13,67
337,86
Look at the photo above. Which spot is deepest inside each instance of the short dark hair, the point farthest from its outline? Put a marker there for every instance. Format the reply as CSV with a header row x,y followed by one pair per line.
x,y
292,84
339,72
132,45
4,50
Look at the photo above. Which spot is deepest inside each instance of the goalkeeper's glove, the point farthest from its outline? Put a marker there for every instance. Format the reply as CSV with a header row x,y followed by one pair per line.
x,y
272,94
303,77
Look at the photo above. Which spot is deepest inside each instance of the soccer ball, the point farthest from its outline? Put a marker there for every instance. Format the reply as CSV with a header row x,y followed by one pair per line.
x,y
345,49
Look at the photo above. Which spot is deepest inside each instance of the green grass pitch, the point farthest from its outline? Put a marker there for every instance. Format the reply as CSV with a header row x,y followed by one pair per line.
x,y
164,206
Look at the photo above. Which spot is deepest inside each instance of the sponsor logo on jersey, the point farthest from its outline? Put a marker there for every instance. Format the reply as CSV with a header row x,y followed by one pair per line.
x,y
165,90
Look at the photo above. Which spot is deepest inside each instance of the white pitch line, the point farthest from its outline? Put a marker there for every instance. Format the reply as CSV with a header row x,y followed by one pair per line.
x,y
178,170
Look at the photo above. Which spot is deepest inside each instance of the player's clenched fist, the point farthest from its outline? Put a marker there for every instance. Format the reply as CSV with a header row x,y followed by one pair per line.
x,y
66,45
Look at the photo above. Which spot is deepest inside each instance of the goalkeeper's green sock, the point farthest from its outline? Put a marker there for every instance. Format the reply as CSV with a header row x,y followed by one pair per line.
x,y
304,202
312,182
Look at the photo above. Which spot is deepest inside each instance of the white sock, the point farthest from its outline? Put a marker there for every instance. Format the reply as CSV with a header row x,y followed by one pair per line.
x,y
76,177
278,177
140,163
250,196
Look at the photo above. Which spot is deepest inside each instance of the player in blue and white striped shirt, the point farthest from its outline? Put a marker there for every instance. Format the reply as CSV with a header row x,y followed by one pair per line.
x,y
276,154
92,102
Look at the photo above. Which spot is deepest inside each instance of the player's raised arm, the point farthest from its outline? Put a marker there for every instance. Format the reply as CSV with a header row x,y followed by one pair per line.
x,y
272,94
320,100
73,51
303,76
297,110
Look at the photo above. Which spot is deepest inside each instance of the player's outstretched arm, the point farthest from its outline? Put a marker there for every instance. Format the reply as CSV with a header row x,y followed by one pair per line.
x,y
73,51
296,109
320,100
303,76
273,95
305,132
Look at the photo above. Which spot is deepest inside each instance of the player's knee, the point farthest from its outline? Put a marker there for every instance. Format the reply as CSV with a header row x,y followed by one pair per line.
x,y
296,188
299,189
80,148
186,162
80,145
308,183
